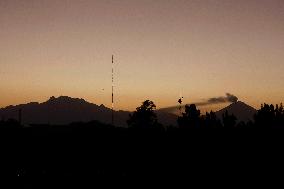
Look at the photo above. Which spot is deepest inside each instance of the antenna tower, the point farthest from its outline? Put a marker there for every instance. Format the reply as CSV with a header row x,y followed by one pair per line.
x,y
180,103
112,86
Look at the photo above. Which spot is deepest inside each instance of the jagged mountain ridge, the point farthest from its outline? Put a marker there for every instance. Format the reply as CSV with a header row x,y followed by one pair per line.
x,y
65,110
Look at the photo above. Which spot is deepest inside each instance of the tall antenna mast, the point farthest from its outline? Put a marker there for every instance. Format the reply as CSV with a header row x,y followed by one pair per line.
x,y
112,86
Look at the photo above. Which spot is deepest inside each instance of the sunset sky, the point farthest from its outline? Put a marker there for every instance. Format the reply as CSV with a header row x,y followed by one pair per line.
x,y
203,48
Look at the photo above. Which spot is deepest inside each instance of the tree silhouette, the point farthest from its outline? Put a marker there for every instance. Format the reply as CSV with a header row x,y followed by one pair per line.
x,y
268,116
229,120
191,117
279,116
210,120
144,116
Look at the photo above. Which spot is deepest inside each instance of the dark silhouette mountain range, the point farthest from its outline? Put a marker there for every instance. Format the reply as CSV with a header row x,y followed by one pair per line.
x,y
65,110
242,111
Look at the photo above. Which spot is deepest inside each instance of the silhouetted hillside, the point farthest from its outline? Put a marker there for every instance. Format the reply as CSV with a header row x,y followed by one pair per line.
x,y
200,147
242,111
65,110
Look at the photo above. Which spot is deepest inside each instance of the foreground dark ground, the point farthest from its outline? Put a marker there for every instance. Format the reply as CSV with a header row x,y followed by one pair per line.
x,y
105,152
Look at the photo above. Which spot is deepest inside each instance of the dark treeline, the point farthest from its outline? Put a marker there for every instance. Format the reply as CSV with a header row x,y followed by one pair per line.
x,y
200,147
268,116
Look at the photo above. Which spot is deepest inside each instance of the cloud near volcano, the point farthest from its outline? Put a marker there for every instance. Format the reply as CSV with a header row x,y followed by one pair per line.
x,y
214,100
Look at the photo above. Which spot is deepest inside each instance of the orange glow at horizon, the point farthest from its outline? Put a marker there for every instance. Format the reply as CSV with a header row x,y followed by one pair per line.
x,y
202,48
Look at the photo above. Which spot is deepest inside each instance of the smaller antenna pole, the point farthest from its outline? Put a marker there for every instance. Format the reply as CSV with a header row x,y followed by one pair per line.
x,y
180,103
112,101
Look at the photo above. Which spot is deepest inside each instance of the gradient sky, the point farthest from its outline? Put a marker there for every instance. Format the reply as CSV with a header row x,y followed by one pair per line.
x,y
203,48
